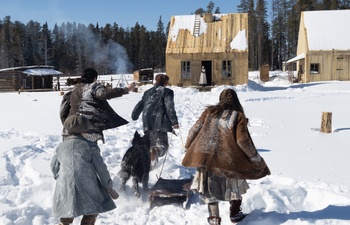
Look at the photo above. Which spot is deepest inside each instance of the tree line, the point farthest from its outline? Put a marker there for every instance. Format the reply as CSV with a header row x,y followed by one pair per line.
x,y
275,42
72,47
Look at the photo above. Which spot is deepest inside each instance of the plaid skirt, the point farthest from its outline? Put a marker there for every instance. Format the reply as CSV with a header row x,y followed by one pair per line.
x,y
213,188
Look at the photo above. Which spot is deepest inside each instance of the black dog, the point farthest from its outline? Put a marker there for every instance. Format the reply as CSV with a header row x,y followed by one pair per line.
x,y
136,163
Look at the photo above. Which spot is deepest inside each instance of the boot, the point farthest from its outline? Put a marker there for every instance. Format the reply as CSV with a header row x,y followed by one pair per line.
x,y
213,209
66,221
154,157
235,207
88,220
214,220
235,211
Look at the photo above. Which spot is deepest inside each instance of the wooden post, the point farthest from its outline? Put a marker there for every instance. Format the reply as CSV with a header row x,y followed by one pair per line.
x,y
326,122
264,72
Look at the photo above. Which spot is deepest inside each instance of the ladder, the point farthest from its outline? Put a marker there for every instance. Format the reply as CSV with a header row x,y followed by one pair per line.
x,y
197,25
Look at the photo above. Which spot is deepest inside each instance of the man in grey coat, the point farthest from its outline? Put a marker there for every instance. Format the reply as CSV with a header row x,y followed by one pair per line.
x,y
83,183
158,116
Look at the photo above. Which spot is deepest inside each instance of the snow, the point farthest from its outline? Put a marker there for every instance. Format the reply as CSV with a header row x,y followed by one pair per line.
x,y
309,183
322,26
187,22
240,41
296,58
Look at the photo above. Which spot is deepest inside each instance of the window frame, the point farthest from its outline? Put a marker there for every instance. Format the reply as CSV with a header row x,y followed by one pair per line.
x,y
186,69
314,68
226,68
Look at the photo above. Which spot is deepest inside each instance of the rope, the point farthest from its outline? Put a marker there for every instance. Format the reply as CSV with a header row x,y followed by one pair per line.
x,y
166,154
182,142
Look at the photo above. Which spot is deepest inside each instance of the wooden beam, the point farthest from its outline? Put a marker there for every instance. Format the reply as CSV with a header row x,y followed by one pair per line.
x,y
326,122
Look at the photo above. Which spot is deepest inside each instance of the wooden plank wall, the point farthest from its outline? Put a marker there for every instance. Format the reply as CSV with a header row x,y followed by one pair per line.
x,y
214,46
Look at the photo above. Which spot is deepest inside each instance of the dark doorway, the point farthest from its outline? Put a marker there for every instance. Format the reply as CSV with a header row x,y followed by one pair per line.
x,y
208,69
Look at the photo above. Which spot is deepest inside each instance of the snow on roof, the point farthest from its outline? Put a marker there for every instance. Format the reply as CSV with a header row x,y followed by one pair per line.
x,y
41,72
296,58
328,30
240,41
186,22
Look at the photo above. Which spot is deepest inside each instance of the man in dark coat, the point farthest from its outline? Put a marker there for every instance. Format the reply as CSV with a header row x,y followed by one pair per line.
x,y
89,98
158,116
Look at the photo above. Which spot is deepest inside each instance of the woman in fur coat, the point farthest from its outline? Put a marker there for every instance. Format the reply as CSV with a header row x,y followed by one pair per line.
x,y
83,183
220,147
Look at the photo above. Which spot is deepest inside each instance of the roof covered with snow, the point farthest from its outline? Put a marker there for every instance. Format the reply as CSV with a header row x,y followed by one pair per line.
x,y
239,41
34,70
41,72
296,58
327,30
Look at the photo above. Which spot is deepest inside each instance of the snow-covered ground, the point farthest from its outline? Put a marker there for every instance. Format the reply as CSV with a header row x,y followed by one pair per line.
x,y
309,184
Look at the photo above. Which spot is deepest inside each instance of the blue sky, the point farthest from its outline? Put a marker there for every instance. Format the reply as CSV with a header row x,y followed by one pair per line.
x,y
124,13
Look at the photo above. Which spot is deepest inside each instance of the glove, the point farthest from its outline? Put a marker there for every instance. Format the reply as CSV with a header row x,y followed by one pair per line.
x,y
176,126
113,193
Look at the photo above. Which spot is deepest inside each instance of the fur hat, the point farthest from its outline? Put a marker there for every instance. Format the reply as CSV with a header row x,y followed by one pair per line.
x,y
76,124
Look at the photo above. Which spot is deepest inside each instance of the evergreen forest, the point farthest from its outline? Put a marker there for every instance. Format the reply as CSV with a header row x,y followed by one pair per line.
x,y
110,49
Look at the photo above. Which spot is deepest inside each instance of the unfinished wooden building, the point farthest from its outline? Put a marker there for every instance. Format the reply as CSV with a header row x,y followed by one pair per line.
x,y
27,78
219,42
323,52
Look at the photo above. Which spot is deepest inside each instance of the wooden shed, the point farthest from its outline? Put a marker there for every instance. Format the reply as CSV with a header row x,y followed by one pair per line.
x,y
323,51
144,76
219,42
27,78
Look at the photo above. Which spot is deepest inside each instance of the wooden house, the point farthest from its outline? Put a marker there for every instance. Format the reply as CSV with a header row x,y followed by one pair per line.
x,y
27,78
323,51
219,42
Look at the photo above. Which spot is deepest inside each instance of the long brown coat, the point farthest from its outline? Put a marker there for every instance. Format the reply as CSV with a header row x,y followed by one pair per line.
x,y
90,100
223,146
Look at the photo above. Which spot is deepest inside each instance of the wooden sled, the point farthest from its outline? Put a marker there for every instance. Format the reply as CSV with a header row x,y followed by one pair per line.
x,y
168,191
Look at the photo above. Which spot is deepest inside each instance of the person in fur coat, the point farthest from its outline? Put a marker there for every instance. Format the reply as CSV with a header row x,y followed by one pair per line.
x,y
220,147
89,98
83,183
158,116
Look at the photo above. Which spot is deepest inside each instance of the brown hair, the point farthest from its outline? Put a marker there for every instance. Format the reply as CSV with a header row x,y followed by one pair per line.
x,y
228,100
161,79
89,75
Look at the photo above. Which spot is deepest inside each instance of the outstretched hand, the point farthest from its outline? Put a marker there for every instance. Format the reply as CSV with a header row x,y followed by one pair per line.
x,y
132,86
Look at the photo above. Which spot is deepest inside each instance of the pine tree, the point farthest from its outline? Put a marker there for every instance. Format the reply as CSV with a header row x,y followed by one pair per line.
x,y
33,54
247,6
263,49
18,44
46,46
280,11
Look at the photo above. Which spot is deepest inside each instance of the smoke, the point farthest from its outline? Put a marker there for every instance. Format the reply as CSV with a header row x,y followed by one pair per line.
x,y
109,57
119,56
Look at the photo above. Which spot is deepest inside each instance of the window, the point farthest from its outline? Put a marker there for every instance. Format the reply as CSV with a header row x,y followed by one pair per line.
x,y
186,69
226,69
314,68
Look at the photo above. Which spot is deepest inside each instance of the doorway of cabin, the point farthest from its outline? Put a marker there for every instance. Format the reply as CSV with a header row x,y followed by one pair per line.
x,y
208,70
